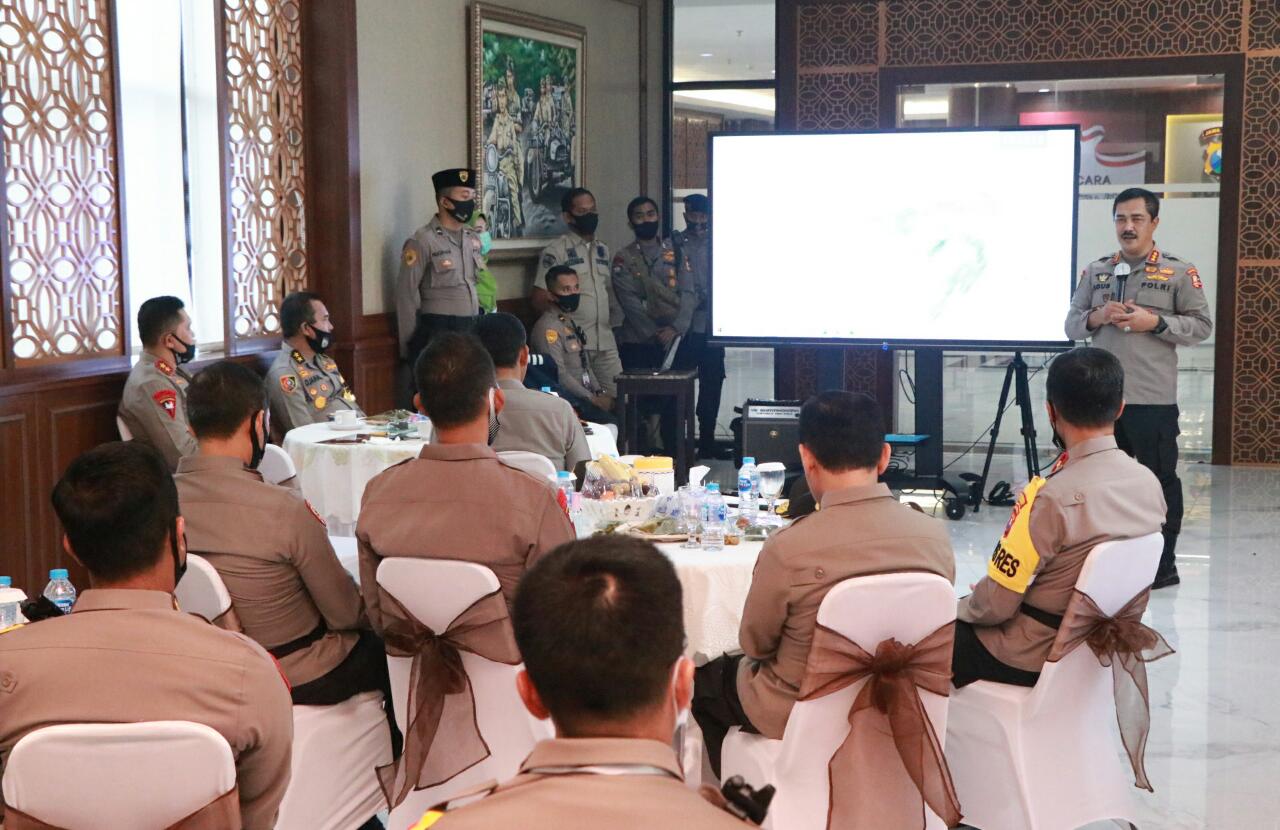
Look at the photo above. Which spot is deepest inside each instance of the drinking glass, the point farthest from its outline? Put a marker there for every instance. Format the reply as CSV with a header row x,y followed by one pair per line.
x,y
772,476
691,516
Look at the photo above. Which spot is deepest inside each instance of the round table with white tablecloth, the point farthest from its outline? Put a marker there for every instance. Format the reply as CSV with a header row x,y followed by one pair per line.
x,y
715,586
333,476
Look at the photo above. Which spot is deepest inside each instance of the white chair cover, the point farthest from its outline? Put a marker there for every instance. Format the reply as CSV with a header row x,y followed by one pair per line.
x,y
123,429
435,591
276,465
866,610
201,590
1048,758
530,462
144,776
336,750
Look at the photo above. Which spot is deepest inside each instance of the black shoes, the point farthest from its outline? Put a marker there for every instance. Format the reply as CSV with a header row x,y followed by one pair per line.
x,y
1166,579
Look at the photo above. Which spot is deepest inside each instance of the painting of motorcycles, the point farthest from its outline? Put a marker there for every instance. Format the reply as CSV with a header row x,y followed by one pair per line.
x,y
526,97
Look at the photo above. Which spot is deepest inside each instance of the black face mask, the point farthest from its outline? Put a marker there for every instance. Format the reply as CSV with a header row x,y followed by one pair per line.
x,y
259,448
187,356
1057,439
569,302
179,566
494,426
462,210
321,342
646,230
696,228
587,223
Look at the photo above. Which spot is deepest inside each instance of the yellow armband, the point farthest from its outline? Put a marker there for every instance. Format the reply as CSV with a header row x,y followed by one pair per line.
x,y
427,820
1015,558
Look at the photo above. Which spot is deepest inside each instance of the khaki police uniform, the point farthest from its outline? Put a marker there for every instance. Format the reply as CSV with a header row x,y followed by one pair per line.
x,y
695,353
126,656
1148,428
557,336
859,531
457,501
655,288
303,391
273,553
599,311
154,408
537,422
567,783
437,279
1095,493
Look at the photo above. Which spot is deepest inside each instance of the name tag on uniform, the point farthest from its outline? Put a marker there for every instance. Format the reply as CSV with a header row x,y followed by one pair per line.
x,y
1015,558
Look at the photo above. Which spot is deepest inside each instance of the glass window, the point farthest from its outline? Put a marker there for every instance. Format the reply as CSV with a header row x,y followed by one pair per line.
x,y
695,115
1161,133
722,40
171,170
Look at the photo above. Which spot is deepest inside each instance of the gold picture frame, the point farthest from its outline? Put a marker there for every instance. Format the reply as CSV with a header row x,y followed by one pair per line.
x,y
530,148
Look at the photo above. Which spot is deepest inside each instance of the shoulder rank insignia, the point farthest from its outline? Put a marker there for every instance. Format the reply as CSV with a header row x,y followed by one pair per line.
x,y
1115,258
289,384
1059,464
165,368
167,399
410,257
1154,256
297,356
552,337
1195,278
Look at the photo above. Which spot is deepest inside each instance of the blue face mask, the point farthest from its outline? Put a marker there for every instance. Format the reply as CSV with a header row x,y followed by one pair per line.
x,y
486,242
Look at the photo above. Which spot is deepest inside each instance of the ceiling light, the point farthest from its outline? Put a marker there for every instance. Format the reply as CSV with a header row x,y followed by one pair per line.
x,y
706,55
1043,89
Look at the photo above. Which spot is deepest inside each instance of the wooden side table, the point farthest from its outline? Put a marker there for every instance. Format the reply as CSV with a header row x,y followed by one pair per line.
x,y
678,384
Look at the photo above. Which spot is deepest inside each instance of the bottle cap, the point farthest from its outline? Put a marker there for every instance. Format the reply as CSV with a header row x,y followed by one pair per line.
x,y
6,582
564,475
713,487
546,389
748,459
58,573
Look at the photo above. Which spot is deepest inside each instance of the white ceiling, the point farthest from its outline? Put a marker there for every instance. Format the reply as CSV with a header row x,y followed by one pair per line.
x,y
737,35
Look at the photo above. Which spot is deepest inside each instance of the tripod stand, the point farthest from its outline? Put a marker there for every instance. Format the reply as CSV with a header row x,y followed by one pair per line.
x,y
1015,374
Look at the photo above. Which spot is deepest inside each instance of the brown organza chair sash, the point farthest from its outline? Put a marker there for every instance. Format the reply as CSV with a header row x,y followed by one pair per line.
x,y
890,697
221,813
443,737
1126,645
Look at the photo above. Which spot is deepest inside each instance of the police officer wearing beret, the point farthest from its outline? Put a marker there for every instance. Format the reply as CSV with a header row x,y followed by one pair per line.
x,y
1142,319
436,289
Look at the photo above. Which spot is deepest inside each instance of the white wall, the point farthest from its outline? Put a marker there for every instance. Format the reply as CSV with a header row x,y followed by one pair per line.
x,y
412,64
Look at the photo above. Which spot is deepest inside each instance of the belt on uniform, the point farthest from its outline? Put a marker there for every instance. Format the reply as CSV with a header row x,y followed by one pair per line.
x,y
1054,621
282,651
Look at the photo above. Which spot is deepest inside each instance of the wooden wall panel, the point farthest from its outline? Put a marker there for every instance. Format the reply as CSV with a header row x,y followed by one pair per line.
x,y
18,506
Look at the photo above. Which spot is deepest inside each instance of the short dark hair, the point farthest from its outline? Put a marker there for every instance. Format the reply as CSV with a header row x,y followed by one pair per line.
x,y
297,310
843,430
1129,194
117,504
600,623
503,336
637,202
1086,387
454,374
221,398
566,201
555,272
156,317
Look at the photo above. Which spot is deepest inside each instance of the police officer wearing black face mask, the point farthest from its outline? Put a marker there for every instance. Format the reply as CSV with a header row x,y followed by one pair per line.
x,y
436,289
304,384
562,341
694,245
598,312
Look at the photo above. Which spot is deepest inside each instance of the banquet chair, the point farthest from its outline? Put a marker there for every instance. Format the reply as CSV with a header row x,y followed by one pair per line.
x,y
335,748
123,429
93,775
1047,757
435,591
536,465
866,610
276,466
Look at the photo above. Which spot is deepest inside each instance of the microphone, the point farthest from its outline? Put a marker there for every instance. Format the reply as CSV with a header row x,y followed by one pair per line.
x,y
1121,273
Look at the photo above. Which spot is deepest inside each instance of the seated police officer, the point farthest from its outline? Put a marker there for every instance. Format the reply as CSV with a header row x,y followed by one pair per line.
x,y
599,624
154,404
304,385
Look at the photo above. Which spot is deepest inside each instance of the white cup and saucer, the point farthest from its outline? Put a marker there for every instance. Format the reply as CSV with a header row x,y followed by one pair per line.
x,y
345,420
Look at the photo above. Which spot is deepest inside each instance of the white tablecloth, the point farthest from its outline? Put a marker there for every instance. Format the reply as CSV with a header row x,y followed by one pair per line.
x,y
333,476
715,585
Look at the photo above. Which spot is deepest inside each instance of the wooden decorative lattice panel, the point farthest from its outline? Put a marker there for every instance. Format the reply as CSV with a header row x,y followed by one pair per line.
x,y
1264,24
838,101
1260,162
1256,394
838,35
948,32
860,369
265,150
58,119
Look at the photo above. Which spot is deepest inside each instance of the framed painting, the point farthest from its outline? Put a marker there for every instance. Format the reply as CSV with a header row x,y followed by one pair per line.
x,y
526,82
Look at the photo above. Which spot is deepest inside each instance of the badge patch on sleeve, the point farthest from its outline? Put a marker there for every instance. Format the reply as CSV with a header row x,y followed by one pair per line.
x,y
289,384
552,337
1015,558
315,513
167,399
1195,278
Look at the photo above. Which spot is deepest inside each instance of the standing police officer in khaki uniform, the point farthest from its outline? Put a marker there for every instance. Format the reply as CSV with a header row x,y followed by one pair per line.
x,y
304,384
694,245
1162,307
436,290
558,336
1095,493
598,312
154,404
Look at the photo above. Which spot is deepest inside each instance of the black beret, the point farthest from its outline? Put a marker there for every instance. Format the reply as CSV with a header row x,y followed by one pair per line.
x,y
697,203
455,177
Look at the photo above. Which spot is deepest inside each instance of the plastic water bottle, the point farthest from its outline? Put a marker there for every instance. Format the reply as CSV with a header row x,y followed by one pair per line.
x,y
713,517
564,489
10,599
549,391
60,591
748,488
